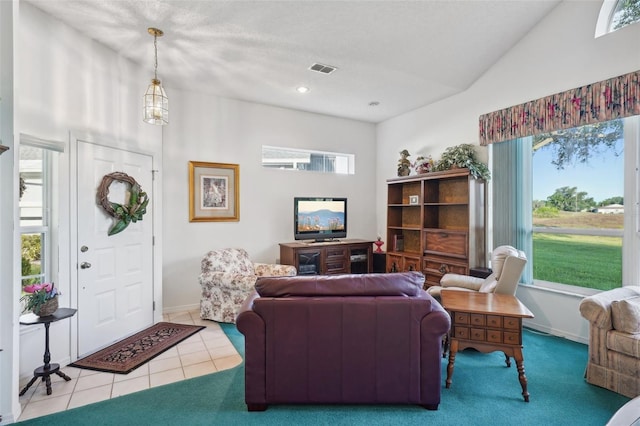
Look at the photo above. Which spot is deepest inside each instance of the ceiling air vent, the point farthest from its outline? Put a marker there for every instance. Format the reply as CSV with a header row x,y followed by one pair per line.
x,y
323,69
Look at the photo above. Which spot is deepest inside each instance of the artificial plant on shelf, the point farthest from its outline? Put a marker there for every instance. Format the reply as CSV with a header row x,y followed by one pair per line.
x,y
37,295
463,156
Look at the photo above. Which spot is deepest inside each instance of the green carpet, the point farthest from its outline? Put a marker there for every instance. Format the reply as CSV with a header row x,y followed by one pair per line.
x,y
484,392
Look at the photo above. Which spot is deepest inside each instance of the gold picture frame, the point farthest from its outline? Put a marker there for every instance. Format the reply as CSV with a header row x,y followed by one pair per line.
x,y
214,192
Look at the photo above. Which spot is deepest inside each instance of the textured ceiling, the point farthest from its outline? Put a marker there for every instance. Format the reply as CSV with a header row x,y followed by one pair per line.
x,y
402,54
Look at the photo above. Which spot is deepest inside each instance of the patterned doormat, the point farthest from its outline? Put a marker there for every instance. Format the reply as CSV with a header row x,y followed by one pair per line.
x,y
126,355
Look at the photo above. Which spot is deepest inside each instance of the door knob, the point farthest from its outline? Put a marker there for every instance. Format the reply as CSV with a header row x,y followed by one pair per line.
x,y
85,265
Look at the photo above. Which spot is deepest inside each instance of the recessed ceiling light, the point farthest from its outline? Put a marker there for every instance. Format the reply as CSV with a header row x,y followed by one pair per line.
x,y
374,103
302,89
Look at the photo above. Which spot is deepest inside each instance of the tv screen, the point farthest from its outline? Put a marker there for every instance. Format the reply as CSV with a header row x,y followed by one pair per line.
x,y
319,218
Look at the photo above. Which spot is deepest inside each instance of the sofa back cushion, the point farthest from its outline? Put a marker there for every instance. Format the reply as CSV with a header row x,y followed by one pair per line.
x,y
625,315
395,284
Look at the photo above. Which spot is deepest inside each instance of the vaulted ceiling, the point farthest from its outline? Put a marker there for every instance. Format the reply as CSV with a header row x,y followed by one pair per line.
x,y
399,54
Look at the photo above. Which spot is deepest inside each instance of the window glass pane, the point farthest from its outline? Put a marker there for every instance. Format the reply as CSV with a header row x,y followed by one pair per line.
x,y
33,261
32,201
625,13
316,161
578,206
36,197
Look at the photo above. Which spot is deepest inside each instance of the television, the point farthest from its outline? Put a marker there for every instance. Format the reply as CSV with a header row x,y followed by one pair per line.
x,y
319,218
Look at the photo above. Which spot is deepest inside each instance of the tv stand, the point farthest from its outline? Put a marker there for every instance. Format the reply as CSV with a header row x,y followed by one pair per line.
x,y
328,257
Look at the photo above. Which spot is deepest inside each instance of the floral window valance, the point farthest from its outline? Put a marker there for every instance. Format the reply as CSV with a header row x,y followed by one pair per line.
x,y
602,101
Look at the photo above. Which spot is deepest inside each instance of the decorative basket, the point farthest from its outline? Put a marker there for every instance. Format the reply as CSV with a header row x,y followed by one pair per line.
x,y
47,308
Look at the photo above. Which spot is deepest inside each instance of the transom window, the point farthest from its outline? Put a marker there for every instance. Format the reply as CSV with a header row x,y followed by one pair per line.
x,y
616,14
307,160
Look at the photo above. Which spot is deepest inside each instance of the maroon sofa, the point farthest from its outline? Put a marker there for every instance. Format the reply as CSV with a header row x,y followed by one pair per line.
x,y
342,339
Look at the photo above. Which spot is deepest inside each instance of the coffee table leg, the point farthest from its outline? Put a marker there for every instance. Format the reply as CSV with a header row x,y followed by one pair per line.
x,y
521,376
453,349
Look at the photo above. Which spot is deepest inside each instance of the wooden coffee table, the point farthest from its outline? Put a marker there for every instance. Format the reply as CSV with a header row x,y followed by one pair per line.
x,y
487,322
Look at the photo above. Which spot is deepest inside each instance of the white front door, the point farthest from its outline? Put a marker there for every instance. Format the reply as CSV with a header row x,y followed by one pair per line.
x,y
115,273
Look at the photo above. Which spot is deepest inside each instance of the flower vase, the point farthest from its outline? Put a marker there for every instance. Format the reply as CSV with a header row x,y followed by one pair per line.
x,y
47,308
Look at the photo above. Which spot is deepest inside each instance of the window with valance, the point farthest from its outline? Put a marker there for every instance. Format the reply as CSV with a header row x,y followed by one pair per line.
x,y
605,100
510,132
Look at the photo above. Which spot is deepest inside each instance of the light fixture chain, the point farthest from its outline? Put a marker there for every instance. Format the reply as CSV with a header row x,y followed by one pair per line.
x,y
155,48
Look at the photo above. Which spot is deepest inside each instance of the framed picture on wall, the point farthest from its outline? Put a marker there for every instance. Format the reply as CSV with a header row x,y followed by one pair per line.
x,y
214,192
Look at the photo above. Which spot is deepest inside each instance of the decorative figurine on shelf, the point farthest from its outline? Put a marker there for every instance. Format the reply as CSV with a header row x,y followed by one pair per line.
x,y
378,243
404,165
394,268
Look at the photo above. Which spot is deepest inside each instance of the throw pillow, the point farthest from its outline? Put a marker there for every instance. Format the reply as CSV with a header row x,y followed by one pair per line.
x,y
625,315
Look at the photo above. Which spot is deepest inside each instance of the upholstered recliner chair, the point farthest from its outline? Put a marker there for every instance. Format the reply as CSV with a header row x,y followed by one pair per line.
x,y
507,264
614,339
227,277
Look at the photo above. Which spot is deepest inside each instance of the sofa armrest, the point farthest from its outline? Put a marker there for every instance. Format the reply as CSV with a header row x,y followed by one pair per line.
x,y
247,305
433,327
597,312
597,308
274,270
252,326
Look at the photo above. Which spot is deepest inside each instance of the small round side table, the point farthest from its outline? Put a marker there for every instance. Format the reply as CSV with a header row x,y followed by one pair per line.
x,y
46,370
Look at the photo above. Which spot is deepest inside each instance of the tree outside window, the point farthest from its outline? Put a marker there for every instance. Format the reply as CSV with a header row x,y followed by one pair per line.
x,y
625,13
578,207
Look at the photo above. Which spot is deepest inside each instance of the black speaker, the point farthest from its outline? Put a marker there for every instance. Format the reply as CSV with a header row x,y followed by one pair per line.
x,y
379,262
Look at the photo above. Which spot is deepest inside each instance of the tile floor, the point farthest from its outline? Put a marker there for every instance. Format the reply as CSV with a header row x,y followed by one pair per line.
x,y
205,352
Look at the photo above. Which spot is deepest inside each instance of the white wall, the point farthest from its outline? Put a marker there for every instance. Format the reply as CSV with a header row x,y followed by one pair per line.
x,y
66,82
558,54
8,302
212,129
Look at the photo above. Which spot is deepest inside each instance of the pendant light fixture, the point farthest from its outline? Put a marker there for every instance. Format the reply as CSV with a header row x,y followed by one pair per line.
x,y
155,101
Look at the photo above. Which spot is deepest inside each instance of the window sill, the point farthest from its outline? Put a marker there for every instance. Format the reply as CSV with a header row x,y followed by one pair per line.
x,y
566,289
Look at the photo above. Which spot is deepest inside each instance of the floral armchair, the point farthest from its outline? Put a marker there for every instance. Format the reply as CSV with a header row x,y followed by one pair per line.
x,y
227,276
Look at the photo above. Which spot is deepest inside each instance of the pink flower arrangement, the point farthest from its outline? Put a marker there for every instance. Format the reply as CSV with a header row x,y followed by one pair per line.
x,y
37,295
424,164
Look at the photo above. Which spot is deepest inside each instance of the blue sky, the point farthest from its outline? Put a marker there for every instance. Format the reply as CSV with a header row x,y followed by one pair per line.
x,y
601,178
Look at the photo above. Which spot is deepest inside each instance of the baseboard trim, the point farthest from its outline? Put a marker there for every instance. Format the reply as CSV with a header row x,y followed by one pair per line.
x,y
555,332
173,309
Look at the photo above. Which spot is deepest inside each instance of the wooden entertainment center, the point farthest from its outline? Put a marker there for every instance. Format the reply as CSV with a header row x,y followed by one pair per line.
x,y
330,257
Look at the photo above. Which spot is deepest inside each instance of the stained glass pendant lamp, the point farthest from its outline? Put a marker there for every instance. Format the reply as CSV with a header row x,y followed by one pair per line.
x,y
155,101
